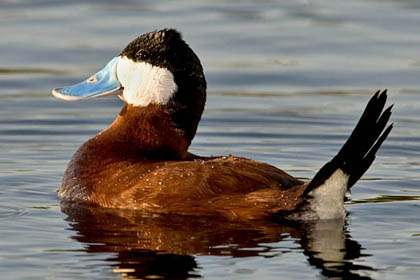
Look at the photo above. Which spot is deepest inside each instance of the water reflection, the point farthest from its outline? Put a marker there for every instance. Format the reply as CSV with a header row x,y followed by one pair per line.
x,y
330,248
149,245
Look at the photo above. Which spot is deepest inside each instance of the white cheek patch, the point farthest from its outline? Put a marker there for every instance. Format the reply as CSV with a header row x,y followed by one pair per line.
x,y
144,83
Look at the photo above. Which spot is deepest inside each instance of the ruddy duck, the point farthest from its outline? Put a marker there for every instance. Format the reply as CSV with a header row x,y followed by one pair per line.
x,y
142,161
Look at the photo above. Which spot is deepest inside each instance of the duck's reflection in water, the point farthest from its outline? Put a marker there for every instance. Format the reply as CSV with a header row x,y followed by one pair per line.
x,y
164,247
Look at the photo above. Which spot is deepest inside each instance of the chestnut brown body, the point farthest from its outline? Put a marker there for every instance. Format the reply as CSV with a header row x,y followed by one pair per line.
x,y
141,162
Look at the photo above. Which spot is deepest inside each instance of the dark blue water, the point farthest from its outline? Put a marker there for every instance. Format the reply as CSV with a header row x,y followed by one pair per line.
x,y
287,81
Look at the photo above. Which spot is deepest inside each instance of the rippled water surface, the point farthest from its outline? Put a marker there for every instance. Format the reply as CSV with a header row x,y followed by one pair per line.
x,y
287,80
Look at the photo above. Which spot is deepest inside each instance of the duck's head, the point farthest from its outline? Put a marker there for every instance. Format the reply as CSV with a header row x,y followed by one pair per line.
x,y
157,69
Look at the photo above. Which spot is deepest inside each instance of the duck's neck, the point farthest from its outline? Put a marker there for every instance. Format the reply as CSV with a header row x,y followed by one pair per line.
x,y
144,132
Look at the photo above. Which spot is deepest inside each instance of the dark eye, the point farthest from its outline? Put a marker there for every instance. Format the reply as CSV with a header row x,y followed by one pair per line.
x,y
142,54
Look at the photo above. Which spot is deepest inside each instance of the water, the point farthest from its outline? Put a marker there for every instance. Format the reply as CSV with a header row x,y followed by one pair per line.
x,y
287,82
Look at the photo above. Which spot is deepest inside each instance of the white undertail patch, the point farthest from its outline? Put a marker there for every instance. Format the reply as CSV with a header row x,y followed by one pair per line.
x,y
144,83
327,200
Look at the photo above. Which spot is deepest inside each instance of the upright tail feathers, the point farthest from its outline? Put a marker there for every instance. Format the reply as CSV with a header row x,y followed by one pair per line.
x,y
358,153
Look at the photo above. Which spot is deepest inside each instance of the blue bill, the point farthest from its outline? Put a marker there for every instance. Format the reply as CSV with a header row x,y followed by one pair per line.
x,y
103,83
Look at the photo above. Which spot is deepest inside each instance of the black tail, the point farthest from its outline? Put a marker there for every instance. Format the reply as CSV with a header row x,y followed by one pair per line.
x,y
359,151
